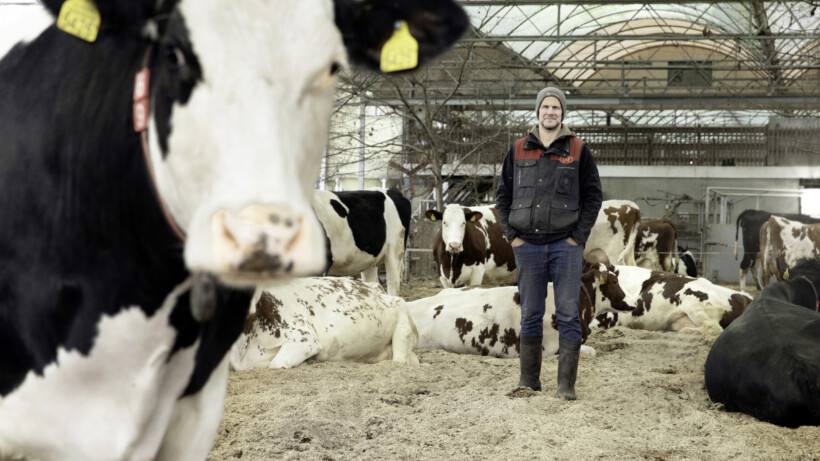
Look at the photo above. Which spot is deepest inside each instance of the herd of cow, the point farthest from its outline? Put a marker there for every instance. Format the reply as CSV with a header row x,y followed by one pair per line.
x,y
160,226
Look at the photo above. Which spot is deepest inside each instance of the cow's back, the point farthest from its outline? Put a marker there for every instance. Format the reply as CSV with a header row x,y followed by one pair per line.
x,y
615,231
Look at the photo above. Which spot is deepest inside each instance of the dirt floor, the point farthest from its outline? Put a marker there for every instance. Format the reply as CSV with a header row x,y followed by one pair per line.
x,y
641,397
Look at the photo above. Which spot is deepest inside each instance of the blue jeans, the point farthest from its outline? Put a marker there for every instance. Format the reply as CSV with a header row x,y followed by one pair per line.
x,y
536,265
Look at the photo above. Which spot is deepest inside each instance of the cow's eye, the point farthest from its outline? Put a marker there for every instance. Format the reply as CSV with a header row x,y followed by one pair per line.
x,y
174,56
329,75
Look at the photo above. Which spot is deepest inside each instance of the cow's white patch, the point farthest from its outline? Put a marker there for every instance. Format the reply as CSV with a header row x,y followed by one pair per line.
x,y
253,131
115,403
21,23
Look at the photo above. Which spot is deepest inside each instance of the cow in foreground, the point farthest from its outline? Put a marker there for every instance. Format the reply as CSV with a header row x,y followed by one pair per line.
x,y
470,247
767,362
786,242
365,229
149,179
615,231
673,302
487,320
751,221
329,319
656,245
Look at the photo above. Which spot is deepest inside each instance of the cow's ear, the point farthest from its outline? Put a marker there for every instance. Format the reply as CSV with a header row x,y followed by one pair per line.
x,y
367,25
112,13
433,215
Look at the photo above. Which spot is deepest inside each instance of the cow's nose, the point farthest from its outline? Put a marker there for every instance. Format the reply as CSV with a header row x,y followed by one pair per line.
x,y
454,248
258,239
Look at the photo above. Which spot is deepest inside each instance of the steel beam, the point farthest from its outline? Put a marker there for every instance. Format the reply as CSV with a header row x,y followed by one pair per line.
x,y
628,103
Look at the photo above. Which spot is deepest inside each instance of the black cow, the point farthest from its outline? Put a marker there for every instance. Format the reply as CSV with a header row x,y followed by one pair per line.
x,y
151,166
365,228
767,362
750,221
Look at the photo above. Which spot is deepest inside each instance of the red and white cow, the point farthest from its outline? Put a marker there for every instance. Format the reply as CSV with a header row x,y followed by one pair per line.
x,y
786,241
615,231
470,247
656,245
327,318
673,302
365,228
487,320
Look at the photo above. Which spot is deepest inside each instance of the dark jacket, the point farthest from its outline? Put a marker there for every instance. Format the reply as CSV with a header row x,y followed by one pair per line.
x,y
543,196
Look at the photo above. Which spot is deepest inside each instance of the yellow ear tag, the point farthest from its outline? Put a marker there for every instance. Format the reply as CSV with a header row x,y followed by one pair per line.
x,y
786,275
472,218
80,18
432,217
602,281
401,51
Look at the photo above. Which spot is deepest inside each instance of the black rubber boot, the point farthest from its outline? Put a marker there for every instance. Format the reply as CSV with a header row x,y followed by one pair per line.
x,y
568,351
530,359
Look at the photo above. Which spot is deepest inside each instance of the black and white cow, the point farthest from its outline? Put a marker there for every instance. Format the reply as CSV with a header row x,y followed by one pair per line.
x,y
148,179
751,221
686,264
365,228
767,362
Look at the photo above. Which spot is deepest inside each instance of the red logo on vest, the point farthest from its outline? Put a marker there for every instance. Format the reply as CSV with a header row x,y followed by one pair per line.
x,y
567,159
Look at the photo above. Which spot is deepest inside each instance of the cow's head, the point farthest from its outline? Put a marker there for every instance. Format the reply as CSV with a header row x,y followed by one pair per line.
x,y
599,284
454,224
241,94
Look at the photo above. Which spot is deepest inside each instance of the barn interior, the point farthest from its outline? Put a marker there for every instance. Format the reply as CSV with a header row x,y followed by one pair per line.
x,y
695,111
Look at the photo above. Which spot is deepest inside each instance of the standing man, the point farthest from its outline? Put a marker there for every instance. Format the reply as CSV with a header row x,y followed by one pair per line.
x,y
548,198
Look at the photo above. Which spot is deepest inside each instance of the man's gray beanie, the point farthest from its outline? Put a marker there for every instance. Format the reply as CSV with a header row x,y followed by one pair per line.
x,y
552,91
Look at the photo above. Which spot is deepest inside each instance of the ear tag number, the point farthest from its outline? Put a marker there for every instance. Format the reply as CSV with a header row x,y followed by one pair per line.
x,y
80,18
401,51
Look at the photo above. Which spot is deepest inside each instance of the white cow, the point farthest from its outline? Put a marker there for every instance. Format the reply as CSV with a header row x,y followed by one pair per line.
x,y
615,231
673,302
327,318
487,320
470,247
366,228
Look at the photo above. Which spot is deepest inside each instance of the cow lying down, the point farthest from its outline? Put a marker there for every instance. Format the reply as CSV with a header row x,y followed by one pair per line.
x,y
487,320
673,302
325,318
767,362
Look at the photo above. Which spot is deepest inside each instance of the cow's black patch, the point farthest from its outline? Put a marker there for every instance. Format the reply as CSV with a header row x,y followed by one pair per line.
x,y
365,218
176,73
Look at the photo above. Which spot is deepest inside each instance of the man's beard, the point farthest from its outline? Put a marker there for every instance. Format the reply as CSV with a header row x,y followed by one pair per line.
x,y
549,121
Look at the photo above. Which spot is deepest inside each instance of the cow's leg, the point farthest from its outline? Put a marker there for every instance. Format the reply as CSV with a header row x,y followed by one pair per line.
x,y
757,272
743,278
683,322
405,338
195,420
394,267
371,275
477,276
292,354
